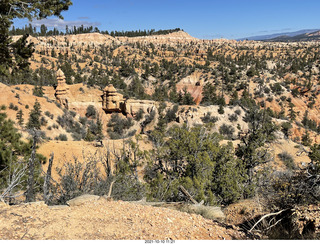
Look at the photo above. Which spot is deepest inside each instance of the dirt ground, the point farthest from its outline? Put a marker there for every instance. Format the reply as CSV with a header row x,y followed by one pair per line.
x,y
107,220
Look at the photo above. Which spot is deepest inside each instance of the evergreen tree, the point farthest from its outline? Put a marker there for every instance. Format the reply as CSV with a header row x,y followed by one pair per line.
x,y
173,95
209,95
5,40
194,159
285,128
185,98
53,53
305,139
98,132
89,136
20,117
252,150
136,88
221,109
43,30
38,91
10,142
11,9
292,113
234,98
34,117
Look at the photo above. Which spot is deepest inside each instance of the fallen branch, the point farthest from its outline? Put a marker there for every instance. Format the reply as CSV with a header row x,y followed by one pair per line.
x,y
265,216
187,194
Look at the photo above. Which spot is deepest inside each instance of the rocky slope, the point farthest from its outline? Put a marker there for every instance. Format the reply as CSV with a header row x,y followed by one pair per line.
x,y
107,220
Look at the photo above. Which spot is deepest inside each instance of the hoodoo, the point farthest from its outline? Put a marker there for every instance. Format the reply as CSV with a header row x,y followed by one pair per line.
x,y
62,89
112,101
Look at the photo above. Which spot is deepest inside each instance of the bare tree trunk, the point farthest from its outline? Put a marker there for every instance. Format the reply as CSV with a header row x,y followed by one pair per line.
x,y
30,185
110,189
187,194
47,181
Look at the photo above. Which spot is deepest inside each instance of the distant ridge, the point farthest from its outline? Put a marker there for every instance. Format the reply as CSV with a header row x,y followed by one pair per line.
x,y
273,36
310,36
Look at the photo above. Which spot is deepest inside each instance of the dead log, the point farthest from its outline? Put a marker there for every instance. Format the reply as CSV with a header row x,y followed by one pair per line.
x,y
187,194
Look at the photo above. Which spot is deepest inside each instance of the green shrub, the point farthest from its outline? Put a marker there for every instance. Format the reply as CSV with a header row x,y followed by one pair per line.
x,y
73,113
233,117
221,109
171,114
277,88
139,115
227,130
62,137
117,127
287,159
91,112
238,112
209,119
38,91
43,121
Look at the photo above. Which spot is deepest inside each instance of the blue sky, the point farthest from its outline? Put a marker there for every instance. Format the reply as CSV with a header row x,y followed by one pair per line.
x,y
205,19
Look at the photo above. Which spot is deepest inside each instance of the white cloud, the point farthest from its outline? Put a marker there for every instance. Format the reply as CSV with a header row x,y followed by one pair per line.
x,y
61,24
83,17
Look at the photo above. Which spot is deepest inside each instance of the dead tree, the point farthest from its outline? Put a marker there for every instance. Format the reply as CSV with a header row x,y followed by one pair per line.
x,y
15,180
31,165
47,181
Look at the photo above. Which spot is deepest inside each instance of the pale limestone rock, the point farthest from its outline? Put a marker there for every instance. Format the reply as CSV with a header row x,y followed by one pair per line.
x,y
133,106
62,89
58,207
112,101
37,203
82,199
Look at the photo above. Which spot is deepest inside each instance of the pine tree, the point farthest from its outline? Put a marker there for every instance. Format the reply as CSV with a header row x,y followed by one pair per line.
x,y
194,159
89,136
186,98
34,117
305,139
12,9
38,91
19,117
234,98
173,95
99,134
221,109
209,94
292,113
251,150
10,144
53,53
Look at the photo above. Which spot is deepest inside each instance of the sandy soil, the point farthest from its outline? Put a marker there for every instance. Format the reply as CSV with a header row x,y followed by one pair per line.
x,y
107,220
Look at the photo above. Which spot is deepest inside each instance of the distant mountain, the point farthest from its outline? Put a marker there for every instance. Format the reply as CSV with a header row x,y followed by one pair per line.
x,y
277,35
310,36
